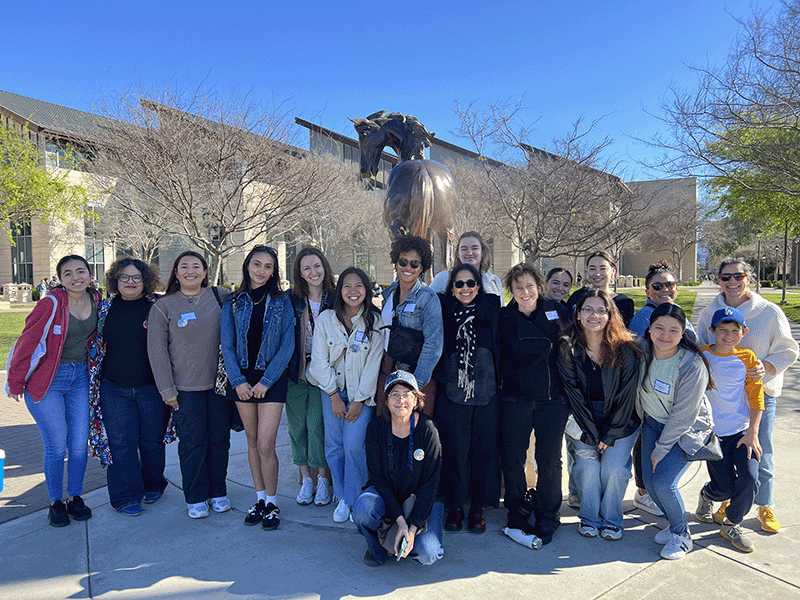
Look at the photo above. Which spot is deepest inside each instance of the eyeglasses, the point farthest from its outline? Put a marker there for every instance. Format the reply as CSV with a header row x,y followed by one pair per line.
x,y
736,276
404,262
398,396
588,312
269,249
659,285
460,283
125,278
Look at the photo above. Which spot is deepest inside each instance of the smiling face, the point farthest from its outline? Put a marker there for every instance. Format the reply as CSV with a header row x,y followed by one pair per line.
x,y
600,273
666,293
353,291
733,290
190,274
401,402
74,276
130,290
557,287
407,273
728,335
260,268
525,292
465,294
312,271
665,333
593,315
470,252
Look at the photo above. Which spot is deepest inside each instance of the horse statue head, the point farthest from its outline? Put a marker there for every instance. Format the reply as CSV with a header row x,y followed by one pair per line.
x,y
402,133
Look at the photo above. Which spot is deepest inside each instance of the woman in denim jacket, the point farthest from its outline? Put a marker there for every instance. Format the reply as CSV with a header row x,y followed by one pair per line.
x,y
257,337
416,306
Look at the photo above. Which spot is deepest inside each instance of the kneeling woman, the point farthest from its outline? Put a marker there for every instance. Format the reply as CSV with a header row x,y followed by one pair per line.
x,y
404,457
599,366
257,335
345,360
676,417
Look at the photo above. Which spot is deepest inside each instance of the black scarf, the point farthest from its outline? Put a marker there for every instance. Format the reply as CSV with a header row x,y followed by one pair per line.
x,y
465,347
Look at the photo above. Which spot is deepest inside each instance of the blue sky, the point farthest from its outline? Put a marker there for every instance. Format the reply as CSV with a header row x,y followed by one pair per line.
x,y
330,60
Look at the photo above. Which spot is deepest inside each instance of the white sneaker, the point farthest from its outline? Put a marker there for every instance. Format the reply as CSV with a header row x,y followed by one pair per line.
x,y
645,502
342,512
197,511
587,530
663,536
306,495
323,496
220,504
677,547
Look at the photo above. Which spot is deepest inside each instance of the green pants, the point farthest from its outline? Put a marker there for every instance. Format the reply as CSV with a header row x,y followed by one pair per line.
x,y
304,416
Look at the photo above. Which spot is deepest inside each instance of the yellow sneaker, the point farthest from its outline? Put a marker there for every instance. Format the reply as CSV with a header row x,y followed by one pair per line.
x,y
768,521
719,516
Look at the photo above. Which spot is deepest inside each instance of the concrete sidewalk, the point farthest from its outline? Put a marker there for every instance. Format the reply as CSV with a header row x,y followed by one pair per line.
x,y
164,554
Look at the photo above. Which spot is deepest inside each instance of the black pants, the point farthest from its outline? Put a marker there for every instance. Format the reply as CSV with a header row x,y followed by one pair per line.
x,y
637,463
203,426
733,478
517,420
470,463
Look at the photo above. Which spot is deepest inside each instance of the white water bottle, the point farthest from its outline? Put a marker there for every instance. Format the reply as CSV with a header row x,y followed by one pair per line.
x,y
527,540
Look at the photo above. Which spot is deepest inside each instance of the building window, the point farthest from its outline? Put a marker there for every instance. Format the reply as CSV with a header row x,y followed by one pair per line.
x,y
58,153
21,253
95,252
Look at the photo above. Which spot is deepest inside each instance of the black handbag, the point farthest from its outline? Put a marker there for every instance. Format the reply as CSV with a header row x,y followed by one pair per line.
x,y
711,450
405,343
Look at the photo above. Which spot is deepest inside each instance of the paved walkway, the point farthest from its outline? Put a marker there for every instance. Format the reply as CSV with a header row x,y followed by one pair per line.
x,y
163,554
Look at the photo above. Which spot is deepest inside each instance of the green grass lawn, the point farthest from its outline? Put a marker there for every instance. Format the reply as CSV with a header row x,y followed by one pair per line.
x,y
11,324
792,306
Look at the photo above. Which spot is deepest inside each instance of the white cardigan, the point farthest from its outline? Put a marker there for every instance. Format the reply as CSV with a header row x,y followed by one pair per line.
x,y
769,335
338,361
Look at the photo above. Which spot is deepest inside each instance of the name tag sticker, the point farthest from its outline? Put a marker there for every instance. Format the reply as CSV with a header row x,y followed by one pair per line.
x,y
662,387
185,318
551,315
57,329
410,307
359,338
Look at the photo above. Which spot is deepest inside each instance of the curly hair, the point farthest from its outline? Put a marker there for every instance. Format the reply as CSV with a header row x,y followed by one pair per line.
x,y
150,276
518,271
409,243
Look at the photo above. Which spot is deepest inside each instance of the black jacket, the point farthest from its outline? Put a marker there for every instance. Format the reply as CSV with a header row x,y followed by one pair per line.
x,y
620,385
299,305
529,348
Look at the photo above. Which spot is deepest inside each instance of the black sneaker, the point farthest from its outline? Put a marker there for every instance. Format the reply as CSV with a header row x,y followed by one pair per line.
x,y
58,516
271,519
255,514
369,560
78,510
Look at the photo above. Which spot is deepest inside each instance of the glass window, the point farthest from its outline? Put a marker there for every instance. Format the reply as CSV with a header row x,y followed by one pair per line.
x,y
95,252
21,253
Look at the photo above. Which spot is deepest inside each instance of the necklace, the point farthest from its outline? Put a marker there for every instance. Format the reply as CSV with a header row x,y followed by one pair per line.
x,y
191,297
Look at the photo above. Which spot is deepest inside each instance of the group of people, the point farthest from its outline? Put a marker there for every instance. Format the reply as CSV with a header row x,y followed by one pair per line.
x,y
408,413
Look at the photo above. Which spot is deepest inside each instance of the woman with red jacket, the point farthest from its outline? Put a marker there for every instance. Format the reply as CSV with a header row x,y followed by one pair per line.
x,y
48,364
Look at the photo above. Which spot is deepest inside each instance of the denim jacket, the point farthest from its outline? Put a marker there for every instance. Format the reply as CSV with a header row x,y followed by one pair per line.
x,y
277,341
422,311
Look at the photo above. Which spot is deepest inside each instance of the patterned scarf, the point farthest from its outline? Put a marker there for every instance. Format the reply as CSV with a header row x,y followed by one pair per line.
x,y
465,347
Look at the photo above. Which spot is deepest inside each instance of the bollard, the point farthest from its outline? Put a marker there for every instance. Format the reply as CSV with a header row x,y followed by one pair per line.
x,y
2,467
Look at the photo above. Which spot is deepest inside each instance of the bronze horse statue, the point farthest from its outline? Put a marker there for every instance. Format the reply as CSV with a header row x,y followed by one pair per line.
x,y
421,194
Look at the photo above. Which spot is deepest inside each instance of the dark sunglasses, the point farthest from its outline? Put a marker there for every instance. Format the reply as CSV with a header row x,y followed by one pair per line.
x,y
736,276
460,283
404,262
268,249
658,286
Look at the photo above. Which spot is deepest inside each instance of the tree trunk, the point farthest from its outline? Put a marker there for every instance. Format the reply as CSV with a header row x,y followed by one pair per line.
x,y
785,250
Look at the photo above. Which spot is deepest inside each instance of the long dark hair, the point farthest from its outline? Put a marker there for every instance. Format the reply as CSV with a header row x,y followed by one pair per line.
x,y
300,289
616,336
669,309
65,259
472,271
173,285
273,284
371,312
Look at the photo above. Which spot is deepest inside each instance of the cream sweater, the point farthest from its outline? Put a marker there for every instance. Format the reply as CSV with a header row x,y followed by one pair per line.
x,y
769,335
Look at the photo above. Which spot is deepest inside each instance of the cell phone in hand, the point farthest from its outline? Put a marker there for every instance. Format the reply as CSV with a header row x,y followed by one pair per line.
x,y
403,546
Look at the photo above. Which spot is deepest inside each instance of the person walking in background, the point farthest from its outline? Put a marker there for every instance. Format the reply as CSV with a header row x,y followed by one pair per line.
x,y
48,367
312,293
128,419
183,347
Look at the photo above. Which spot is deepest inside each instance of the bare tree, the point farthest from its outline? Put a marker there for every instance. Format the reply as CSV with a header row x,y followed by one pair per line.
x,y
217,171
548,204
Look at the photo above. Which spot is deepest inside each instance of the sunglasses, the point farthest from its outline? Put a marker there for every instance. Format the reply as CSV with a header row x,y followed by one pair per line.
x,y
658,286
736,276
268,249
460,283
404,262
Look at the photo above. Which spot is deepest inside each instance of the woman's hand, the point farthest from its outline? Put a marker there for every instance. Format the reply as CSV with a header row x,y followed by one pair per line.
x,y
339,410
353,411
16,397
404,531
750,441
259,390
655,462
244,392
758,371
172,402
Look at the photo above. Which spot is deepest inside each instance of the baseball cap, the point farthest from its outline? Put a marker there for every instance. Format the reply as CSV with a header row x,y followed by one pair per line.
x,y
401,377
728,314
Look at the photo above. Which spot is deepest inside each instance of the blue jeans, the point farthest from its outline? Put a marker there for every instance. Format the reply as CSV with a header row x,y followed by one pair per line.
x,y
368,512
62,417
766,466
602,480
135,420
344,449
203,424
663,484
